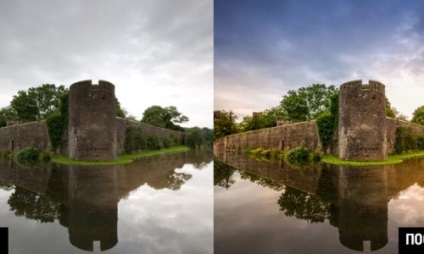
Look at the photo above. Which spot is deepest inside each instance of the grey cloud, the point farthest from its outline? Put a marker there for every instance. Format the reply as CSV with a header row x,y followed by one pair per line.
x,y
122,41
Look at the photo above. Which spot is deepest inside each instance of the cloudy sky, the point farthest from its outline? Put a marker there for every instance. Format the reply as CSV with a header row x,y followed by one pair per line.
x,y
265,48
154,52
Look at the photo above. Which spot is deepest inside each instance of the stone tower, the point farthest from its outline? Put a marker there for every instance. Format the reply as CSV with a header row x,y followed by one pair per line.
x,y
92,121
362,121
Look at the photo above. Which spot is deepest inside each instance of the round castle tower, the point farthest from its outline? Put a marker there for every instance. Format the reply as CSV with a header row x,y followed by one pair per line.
x,y
362,121
92,121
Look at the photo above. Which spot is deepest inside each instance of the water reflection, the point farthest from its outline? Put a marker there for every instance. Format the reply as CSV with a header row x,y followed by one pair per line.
x,y
352,199
85,200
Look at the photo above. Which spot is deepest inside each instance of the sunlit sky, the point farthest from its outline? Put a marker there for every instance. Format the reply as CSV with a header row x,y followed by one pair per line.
x,y
262,49
154,52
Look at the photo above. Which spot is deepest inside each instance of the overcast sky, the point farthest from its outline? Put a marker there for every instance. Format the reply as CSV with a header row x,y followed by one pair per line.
x,y
154,52
265,48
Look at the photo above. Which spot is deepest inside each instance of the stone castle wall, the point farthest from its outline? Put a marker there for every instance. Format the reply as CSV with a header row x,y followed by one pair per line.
x,y
284,137
19,136
146,129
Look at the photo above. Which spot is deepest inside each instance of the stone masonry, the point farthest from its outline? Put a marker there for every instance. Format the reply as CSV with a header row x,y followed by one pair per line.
x,y
362,121
92,121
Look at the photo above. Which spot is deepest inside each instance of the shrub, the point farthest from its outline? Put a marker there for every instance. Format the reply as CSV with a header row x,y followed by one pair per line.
x,y
266,153
5,154
316,157
298,155
153,142
406,140
167,143
44,157
56,125
325,123
27,155
249,150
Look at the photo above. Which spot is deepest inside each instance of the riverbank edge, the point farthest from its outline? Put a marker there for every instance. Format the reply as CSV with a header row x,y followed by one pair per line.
x,y
392,159
122,159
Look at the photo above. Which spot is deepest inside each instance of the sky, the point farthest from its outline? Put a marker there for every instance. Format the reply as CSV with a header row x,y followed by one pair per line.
x,y
263,49
154,52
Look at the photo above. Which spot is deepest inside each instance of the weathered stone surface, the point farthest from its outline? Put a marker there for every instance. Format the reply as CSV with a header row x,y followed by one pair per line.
x,y
284,137
92,121
19,136
362,121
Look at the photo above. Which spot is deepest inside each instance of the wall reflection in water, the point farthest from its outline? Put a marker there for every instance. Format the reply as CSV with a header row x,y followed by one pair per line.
x,y
85,199
353,199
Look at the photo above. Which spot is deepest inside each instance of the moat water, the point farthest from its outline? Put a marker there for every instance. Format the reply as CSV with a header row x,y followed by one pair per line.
x,y
263,207
161,204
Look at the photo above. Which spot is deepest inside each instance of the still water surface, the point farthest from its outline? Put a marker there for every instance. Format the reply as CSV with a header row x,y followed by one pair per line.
x,y
263,207
161,204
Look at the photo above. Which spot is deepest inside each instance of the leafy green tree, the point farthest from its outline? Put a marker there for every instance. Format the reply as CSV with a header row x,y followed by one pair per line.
x,y
304,206
389,109
307,102
33,206
265,119
418,116
223,174
199,137
37,102
5,113
164,117
120,112
224,123
195,138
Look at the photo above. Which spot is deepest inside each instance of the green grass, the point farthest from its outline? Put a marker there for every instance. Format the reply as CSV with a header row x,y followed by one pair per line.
x,y
122,159
392,159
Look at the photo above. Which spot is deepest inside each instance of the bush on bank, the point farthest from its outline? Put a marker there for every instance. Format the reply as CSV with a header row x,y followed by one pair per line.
x,y
30,155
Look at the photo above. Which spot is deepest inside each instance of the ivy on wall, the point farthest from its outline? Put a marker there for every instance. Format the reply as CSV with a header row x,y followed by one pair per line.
x,y
136,141
327,122
406,140
57,122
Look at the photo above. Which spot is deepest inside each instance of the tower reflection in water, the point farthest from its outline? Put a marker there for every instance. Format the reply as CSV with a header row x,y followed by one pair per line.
x,y
353,199
85,199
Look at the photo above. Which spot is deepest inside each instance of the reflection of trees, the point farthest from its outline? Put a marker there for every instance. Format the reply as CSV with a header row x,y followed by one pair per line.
x,y
223,174
32,205
303,205
176,180
6,185
262,181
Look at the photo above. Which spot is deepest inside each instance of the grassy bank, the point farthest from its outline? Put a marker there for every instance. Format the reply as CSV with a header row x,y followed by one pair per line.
x,y
392,159
122,159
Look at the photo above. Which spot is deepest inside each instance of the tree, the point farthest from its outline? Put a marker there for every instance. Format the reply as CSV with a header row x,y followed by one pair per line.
x,y
418,116
224,123
195,138
389,109
5,113
307,102
199,138
120,112
265,119
164,117
37,102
